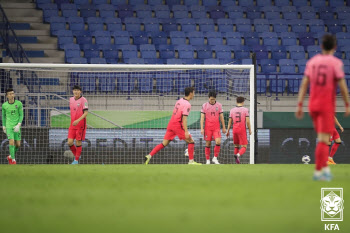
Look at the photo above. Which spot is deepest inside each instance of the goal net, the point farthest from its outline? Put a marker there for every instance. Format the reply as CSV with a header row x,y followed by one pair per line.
x,y
129,109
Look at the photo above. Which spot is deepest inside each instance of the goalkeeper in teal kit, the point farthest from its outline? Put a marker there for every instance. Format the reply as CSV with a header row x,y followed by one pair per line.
x,y
12,116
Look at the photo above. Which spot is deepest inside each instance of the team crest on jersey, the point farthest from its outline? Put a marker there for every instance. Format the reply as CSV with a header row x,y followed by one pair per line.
x,y
78,104
16,106
217,109
85,104
188,110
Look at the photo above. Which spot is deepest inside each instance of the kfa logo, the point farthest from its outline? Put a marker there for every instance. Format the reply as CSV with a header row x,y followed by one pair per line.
x,y
332,204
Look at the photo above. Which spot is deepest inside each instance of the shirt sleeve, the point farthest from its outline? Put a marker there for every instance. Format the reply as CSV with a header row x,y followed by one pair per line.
x,y
20,113
230,116
246,113
307,70
220,109
202,110
339,70
3,115
85,105
186,110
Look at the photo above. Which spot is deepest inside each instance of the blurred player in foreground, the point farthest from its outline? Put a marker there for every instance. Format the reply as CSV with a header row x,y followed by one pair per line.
x,y
337,141
239,117
177,126
77,129
12,117
212,113
323,73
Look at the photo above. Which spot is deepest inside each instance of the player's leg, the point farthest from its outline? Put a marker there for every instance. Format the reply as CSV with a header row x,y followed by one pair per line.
x,y
336,144
217,150
207,151
70,142
79,138
190,148
168,137
321,156
236,142
11,137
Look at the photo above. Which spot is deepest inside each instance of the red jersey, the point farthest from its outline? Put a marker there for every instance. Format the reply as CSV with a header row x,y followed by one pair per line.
x,y
323,71
238,115
77,108
212,113
182,108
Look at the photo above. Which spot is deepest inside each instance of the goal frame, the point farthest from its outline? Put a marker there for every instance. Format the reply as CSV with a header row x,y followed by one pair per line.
x,y
149,67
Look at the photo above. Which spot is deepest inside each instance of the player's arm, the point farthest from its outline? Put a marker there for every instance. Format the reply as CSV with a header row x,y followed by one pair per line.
x,y
228,127
3,119
344,92
202,123
20,118
222,122
302,92
184,124
338,124
248,125
80,118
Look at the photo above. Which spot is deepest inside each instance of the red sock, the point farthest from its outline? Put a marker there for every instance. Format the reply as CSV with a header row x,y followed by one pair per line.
x,y
321,155
242,151
216,150
73,149
77,155
236,150
334,149
157,149
191,151
207,153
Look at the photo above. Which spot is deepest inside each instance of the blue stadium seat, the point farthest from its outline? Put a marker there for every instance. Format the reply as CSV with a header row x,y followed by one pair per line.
x,y
210,61
168,25
144,13
196,38
57,26
263,3
287,66
110,54
222,51
77,26
289,12
179,14
268,65
151,24
191,2
91,53
112,27
282,3
241,52
187,24
106,11
155,2
243,25
307,12
174,61
129,51
279,25
132,24
301,65
183,81
246,3
313,50
336,3
106,83
326,13
225,25
299,3
48,6
89,46
67,6
81,2
64,33
179,8
293,83
99,2
136,2
343,39
162,14
334,26
276,85
185,51
296,52
306,39
269,38
177,37
316,25
204,52
166,51
87,82
78,60
87,11
261,84
102,37
251,39
203,85
253,12
124,83
209,2
70,13
260,52
62,40
159,38
48,13
288,38
271,12
298,26
233,38
206,25
97,60
134,60
96,26
125,11
140,37
217,14
214,38
235,12
164,83
148,51
261,25
220,83
278,52
198,12
145,84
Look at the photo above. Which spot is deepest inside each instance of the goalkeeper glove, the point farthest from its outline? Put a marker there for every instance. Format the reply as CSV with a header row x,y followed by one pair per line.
x,y
16,128
4,129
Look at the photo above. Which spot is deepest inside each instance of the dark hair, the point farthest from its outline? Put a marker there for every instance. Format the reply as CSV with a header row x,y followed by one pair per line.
x,y
329,42
77,87
189,90
240,99
212,94
9,90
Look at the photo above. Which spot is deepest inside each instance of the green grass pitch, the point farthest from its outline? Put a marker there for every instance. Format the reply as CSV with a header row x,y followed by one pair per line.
x,y
165,198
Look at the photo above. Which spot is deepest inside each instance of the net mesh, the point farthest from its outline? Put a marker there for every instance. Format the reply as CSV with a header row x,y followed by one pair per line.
x,y
129,110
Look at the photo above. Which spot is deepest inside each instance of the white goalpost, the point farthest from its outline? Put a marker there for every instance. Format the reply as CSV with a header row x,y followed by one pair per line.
x,y
129,108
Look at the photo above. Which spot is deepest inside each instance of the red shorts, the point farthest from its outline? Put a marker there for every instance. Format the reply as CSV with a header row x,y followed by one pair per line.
x,y
172,133
323,121
240,138
210,135
334,135
77,134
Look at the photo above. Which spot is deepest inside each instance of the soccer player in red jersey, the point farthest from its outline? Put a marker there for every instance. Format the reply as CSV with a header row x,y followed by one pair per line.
x,y
177,126
239,117
323,72
212,112
77,129
337,141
